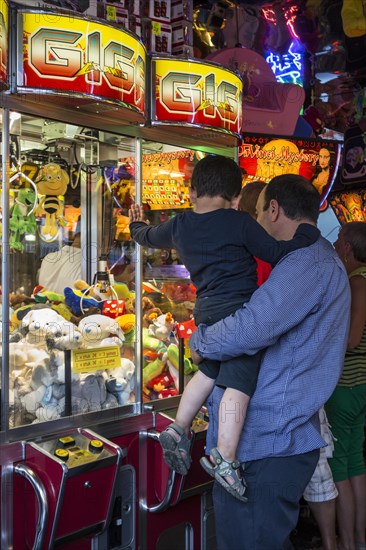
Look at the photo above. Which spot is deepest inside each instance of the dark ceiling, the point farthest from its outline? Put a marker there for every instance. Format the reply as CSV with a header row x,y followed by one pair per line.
x,y
333,36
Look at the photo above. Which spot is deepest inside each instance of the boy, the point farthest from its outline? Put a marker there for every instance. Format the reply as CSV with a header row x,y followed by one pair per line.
x,y
217,244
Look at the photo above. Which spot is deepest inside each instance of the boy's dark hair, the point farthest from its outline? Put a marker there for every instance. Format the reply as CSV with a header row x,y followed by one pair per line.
x,y
296,195
249,197
217,176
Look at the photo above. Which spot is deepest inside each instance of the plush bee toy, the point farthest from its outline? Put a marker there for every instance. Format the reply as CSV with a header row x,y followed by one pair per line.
x,y
52,181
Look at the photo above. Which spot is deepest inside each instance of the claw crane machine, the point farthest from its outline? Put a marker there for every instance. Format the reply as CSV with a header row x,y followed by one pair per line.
x,y
93,327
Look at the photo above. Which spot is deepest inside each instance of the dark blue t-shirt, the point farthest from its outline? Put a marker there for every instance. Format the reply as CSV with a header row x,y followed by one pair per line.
x,y
218,247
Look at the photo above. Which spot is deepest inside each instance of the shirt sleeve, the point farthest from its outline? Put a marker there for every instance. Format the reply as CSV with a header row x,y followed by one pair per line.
x,y
291,293
266,248
153,236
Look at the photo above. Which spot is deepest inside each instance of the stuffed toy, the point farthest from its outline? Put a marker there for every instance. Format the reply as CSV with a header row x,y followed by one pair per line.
x,y
98,331
40,324
113,308
173,365
126,323
69,337
121,382
52,181
89,392
17,300
162,326
122,228
21,218
163,385
43,296
78,302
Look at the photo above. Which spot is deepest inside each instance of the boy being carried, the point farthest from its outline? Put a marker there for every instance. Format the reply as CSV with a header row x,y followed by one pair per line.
x,y
217,243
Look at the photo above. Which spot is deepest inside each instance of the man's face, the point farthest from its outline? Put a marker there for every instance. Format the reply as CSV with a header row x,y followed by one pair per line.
x,y
263,215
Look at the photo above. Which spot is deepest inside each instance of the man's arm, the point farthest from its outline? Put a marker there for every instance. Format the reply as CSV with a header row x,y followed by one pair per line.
x,y
292,291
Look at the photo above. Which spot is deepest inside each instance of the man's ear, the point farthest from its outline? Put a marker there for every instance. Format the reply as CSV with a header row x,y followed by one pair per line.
x,y
274,210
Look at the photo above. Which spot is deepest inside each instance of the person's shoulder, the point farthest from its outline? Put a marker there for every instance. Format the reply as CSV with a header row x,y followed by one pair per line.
x,y
237,215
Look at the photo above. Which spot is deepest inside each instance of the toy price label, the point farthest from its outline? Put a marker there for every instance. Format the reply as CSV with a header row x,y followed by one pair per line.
x,y
91,360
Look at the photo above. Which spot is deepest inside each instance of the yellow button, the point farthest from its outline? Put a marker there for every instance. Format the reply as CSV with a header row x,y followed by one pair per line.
x,y
67,440
96,446
62,454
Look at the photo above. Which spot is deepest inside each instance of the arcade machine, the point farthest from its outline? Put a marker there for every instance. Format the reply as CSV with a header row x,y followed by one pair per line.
x,y
93,327
348,199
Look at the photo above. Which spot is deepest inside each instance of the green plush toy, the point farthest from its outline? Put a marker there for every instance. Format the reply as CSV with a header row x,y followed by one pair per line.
x,y
22,219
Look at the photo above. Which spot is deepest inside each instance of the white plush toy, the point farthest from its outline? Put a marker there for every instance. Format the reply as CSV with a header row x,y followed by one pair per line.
x,y
162,327
40,324
99,330
121,381
69,337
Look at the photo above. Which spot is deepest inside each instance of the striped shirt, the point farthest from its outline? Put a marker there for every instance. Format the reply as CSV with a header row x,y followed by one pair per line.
x,y
354,370
301,314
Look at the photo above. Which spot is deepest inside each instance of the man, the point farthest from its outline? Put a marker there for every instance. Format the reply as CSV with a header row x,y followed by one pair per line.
x,y
301,316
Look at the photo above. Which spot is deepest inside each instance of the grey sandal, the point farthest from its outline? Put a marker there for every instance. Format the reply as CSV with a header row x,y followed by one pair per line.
x,y
176,451
223,468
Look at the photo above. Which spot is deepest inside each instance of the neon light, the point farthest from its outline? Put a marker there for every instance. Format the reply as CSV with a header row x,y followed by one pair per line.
x,y
269,15
288,67
290,16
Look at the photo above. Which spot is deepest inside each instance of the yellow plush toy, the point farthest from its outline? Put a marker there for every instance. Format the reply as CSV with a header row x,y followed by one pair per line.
x,y
52,181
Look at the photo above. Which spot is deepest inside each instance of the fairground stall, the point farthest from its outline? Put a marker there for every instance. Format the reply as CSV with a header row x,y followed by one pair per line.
x,y
93,327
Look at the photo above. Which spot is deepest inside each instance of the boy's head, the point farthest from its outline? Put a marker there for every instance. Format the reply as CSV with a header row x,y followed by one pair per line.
x,y
217,176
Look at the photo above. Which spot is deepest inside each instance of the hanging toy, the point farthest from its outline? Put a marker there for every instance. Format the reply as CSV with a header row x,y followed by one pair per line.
x,y
21,218
52,182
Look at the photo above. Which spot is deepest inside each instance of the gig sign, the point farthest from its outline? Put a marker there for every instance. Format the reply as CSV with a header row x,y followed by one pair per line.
x,y
4,18
196,93
64,52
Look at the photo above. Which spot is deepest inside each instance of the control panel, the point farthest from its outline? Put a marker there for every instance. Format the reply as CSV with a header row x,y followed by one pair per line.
x,y
76,449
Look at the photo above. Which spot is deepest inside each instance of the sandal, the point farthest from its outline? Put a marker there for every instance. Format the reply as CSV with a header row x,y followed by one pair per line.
x,y
176,452
221,469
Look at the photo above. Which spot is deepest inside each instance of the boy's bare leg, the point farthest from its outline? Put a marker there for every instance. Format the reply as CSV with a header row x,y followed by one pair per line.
x,y
233,409
194,395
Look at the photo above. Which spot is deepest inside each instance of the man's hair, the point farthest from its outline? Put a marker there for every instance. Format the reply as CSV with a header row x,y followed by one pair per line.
x,y
355,234
217,176
249,197
295,195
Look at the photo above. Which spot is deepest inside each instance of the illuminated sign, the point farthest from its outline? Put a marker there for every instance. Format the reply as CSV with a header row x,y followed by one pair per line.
x,y
196,93
288,67
65,53
4,41
263,158
349,207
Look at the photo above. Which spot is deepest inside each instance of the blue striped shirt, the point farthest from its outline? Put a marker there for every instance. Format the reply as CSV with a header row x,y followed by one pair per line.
x,y
301,314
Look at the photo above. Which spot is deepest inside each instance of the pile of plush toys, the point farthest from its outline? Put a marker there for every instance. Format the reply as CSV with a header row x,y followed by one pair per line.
x,y
46,324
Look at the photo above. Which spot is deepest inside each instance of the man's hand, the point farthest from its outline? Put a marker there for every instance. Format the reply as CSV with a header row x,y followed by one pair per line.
x,y
136,213
197,359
